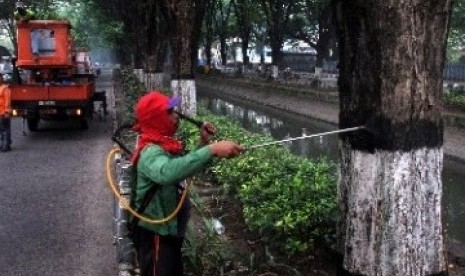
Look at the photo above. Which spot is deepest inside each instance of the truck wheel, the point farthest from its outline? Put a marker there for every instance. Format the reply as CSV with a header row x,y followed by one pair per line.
x,y
32,124
84,123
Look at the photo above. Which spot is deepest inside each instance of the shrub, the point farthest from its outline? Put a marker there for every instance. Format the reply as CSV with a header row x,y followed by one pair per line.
x,y
290,200
455,97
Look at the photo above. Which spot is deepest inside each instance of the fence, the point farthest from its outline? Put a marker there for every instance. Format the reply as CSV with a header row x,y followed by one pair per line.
x,y
454,72
304,62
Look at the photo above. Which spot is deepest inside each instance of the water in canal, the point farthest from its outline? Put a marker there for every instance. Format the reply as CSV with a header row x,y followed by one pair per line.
x,y
280,125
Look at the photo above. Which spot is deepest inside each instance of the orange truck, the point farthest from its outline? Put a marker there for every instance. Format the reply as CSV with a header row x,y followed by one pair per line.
x,y
54,79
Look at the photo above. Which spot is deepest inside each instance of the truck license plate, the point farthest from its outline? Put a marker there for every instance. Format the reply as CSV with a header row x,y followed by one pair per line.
x,y
49,111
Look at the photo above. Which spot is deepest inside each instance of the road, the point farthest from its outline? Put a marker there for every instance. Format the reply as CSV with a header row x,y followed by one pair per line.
x,y
56,210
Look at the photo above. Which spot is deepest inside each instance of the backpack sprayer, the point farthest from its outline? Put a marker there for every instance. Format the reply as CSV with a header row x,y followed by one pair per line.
x,y
122,188
125,216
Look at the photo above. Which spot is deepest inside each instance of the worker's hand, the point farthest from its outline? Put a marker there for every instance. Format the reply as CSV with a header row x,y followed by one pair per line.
x,y
207,131
226,149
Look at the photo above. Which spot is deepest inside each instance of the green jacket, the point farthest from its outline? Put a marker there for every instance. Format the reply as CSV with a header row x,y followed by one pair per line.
x,y
157,166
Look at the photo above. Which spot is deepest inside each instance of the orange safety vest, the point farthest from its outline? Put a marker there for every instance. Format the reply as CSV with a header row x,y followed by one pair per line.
x,y
5,99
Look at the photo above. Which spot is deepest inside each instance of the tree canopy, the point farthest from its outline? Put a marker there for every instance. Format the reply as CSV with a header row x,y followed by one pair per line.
x,y
131,27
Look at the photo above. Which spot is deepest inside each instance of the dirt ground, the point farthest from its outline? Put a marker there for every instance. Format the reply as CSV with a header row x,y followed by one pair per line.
x,y
251,256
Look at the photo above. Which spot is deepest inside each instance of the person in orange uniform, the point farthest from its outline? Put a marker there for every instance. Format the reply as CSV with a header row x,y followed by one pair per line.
x,y
5,120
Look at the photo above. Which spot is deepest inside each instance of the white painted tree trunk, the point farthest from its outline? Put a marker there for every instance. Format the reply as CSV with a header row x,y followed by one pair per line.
x,y
139,74
274,71
187,90
391,203
154,81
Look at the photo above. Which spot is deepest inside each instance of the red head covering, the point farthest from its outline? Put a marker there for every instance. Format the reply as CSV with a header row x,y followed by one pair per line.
x,y
154,124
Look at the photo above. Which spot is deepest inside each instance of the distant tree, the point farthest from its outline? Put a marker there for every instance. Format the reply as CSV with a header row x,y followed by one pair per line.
x,y
456,41
92,27
7,8
44,9
277,15
314,25
137,29
223,28
115,13
390,192
209,34
157,34
243,10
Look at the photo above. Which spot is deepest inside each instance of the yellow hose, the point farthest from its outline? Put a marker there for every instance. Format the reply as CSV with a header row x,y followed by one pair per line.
x,y
113,187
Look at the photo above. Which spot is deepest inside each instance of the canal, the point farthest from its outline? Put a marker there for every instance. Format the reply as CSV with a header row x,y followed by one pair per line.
x,y
280,124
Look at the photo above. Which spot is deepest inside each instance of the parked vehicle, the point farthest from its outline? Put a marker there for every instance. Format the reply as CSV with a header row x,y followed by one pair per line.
x,y
57,80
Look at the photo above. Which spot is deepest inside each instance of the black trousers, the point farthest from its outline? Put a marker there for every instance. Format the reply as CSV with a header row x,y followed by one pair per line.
x,y
5,132
162,253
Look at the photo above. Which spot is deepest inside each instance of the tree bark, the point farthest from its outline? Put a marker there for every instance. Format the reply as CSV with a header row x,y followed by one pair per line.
x,y
221,23
209,18
390,193
157,34
326,32
185,17
242,10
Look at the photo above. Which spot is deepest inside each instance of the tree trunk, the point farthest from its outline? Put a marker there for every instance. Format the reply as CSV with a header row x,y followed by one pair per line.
x,y
210,12
157,35
245,47
242,10
390,193
221,23
223,50
326,32
185,20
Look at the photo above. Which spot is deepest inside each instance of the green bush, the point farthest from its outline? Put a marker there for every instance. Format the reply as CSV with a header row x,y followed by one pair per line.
x,y
132,88
455,97
290,200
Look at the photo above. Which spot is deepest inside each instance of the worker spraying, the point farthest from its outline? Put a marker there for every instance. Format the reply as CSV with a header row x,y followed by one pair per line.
x,y
160,164
158,203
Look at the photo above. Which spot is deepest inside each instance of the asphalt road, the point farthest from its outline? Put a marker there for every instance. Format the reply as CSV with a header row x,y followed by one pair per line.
x,y
55,207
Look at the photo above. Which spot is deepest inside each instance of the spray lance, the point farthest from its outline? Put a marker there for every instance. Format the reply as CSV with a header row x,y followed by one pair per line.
x,y
350,129
343,130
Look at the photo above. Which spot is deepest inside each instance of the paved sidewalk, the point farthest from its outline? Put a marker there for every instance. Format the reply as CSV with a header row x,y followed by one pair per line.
x,y
454,137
